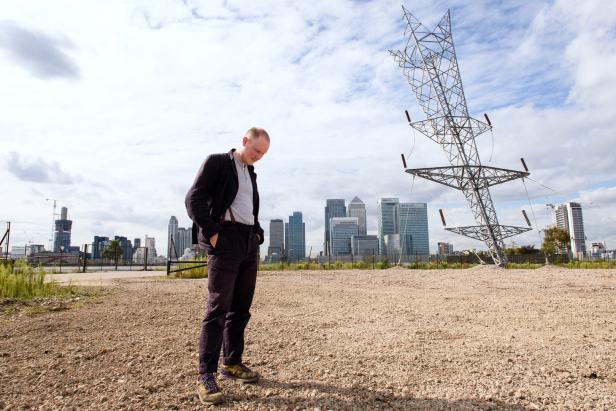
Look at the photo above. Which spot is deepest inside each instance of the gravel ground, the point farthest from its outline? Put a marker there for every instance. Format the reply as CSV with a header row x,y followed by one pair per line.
x,y
480,338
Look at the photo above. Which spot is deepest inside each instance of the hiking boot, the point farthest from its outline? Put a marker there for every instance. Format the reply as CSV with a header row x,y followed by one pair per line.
x,y
209,392
239,372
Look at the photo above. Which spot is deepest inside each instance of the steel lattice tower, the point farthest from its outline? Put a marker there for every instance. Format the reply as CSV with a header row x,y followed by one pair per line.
x,y
431,68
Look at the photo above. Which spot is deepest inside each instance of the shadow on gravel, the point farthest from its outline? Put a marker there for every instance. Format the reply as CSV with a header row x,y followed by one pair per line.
x,y
306,394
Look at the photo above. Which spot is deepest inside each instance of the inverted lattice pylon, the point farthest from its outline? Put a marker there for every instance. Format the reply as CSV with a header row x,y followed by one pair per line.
x,y
430,65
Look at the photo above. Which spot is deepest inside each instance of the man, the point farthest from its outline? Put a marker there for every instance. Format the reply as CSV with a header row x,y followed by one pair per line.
x,y
223,204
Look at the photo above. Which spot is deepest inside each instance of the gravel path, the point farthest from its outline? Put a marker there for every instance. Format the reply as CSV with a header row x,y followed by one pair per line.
x,y
386,339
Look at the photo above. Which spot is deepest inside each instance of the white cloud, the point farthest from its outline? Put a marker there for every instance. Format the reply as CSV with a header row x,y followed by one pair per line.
x,y
37,170
38,53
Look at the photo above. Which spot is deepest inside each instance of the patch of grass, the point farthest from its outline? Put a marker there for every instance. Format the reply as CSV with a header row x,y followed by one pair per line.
x,y
570,264
359,265
524,266
334,265
77,297
440,265
26,282
199,272
589,264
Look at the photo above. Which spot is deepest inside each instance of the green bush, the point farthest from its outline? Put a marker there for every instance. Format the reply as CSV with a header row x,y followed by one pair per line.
x,y
25,282
382,265
362,265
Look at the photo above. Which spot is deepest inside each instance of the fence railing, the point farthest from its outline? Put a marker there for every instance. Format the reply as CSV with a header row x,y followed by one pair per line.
x,y
372,261
85,260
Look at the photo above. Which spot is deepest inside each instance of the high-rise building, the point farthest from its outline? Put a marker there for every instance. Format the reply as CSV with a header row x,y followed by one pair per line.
x,y
172,232
275,250
445,249
136,244
62,234
183,241
387,220
150,244
341,231
364,245
569,217
413,228
334,207
126,246
98,245
357,208
295,237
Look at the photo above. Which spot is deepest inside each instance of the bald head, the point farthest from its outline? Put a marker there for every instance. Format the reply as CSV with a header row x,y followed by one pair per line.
x,y
256,132
255,144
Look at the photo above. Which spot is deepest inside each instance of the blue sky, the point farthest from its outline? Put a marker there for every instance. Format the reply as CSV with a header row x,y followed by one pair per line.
x,y
111,107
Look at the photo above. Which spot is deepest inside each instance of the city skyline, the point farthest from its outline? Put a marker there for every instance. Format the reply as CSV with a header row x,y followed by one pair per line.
x,y
401,219
120,154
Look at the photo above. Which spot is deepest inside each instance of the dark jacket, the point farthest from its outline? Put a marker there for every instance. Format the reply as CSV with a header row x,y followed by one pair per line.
x,y
212,193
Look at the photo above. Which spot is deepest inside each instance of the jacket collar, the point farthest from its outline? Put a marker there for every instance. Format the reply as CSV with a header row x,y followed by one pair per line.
x,y
251,168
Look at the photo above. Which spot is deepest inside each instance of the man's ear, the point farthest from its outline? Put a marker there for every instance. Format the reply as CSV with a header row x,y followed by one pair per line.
x,y
244,141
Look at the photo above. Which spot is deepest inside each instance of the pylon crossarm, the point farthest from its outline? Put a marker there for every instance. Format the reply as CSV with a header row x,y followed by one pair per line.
x,y
458,176
437,128
481,232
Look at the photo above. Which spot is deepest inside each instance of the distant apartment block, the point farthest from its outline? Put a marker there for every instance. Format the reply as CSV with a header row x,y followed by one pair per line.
x,y
569,217
34,249
445,249
18,251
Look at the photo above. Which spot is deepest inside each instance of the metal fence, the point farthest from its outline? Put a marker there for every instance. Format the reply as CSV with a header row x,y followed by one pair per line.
x,y
373,261
84,261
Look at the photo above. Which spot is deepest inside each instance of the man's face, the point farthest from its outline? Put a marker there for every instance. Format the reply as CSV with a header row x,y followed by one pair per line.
x,y
254,149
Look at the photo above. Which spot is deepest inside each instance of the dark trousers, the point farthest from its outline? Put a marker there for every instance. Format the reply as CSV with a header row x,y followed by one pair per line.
x,y
232,275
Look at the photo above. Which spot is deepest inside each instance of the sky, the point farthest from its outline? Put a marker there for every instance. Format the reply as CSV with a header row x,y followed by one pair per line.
x,y
111,107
